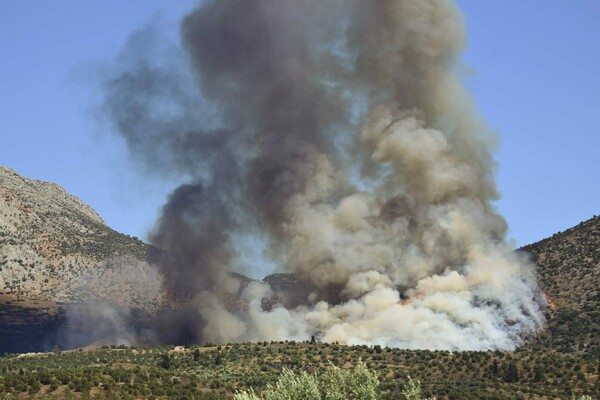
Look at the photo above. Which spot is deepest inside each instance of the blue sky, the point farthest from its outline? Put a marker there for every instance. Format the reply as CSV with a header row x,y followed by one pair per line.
x,y
534,71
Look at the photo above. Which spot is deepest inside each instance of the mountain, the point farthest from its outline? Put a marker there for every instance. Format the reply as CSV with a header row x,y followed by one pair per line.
x,y
55,248
56,254
569,268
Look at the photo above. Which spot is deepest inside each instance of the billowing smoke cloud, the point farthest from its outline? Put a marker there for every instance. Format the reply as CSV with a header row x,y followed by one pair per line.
x,y
340,131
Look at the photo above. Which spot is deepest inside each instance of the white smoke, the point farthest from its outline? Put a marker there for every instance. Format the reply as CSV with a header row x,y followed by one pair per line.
x,y
467,289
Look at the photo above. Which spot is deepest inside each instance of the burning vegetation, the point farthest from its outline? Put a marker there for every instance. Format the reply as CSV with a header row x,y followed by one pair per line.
x,y
548,301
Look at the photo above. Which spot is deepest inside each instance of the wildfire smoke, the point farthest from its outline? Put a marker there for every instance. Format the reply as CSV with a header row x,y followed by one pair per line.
x,y
340,132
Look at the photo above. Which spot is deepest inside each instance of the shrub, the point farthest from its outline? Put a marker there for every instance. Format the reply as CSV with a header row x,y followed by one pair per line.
x,y
333,384
412,390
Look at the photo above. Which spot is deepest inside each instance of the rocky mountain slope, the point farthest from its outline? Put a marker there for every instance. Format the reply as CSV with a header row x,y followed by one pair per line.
x,y
569,268
55,248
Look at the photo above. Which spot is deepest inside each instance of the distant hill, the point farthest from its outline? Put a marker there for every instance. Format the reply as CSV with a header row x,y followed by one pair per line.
x,y
56,254
55,248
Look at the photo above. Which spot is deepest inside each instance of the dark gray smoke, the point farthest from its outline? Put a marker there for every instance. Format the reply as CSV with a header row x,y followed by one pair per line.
x,y
339,130
169,128
254,61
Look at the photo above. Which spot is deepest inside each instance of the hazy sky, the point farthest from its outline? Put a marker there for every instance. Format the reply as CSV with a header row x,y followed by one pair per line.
x,y
533,68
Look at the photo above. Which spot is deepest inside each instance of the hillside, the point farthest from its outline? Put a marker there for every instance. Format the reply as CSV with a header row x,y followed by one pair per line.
x,y
63,272
67,278
569,269
55,248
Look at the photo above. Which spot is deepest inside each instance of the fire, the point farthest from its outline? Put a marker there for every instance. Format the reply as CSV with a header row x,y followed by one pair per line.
x,y
408,300
550,302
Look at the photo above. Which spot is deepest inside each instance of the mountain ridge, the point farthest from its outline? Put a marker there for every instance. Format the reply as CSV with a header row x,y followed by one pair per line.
x,y
54,247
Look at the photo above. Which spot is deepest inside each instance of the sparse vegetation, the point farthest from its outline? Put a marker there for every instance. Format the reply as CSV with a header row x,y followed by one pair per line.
x,y
140,372
569,267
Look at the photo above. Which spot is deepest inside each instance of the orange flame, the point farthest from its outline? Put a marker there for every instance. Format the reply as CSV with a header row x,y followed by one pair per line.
x,y
550,302
415,296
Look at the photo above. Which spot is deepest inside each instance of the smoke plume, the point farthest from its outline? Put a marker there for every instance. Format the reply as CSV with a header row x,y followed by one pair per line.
x,y
340,131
